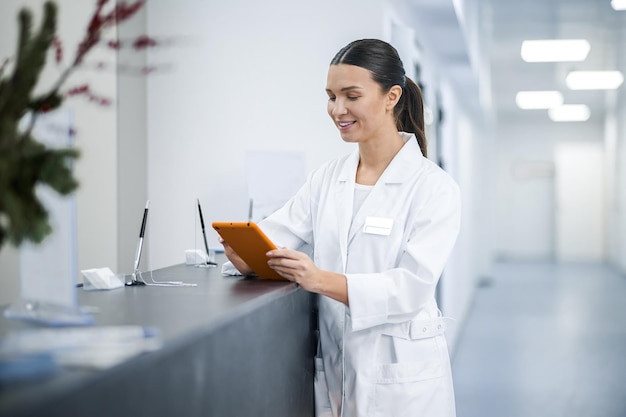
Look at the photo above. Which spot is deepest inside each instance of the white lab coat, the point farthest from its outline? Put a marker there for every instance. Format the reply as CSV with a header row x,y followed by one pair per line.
x,y
385,354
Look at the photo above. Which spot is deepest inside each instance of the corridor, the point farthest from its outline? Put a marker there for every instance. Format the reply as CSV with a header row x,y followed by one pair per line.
x,y
544,340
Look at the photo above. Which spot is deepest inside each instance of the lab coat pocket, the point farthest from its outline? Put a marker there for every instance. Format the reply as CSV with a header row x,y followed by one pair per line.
x,y
407,360
411,371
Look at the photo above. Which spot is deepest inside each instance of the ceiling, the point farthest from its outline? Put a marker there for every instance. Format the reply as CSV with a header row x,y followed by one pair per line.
x,y
478,43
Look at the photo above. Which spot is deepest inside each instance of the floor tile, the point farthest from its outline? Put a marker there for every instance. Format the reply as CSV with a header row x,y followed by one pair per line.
x,y
544,339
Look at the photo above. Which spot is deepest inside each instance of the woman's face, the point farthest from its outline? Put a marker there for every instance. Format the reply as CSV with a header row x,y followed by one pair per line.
x,y
356,103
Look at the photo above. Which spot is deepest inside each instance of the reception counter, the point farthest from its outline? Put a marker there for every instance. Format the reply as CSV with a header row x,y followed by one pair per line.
x,y
231,346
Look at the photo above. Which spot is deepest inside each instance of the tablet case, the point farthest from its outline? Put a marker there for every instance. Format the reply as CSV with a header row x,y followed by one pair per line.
x,y
250,243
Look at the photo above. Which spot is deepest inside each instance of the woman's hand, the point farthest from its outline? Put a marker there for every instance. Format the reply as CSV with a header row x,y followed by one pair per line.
x,y
299,268
232,256
294,266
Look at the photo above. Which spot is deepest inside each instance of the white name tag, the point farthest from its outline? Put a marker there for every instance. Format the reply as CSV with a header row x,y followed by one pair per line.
x,y
378,226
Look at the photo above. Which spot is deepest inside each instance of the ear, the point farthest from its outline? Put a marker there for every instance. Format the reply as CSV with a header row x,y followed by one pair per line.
x,y
393,96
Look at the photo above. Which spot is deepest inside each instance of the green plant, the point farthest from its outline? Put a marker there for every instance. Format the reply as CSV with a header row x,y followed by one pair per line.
x,y
25,162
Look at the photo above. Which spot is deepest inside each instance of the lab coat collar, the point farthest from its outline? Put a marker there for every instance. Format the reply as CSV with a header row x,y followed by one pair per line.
x,y
406,162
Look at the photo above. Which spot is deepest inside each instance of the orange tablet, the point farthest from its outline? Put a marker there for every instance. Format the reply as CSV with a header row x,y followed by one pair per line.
x,y
249,241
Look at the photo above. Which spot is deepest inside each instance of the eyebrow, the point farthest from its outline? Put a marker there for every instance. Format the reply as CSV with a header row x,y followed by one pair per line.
x,y
352,87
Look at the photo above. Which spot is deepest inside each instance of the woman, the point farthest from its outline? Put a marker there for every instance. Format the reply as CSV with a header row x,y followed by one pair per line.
x,y
382,222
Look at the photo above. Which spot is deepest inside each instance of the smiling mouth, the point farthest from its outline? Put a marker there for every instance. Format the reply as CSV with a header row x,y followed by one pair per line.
x,y
344,125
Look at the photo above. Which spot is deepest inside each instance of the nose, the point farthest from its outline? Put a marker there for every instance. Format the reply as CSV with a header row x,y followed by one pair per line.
x,y
337,108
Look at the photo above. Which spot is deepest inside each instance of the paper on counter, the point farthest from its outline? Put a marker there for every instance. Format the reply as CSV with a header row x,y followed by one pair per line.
x,y
101,279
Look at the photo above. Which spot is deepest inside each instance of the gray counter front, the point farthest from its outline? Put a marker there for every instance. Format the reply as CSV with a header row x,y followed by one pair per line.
x,y
232,346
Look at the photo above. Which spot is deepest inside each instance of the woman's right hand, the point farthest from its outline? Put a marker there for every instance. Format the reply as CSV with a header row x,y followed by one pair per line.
x,y
232,256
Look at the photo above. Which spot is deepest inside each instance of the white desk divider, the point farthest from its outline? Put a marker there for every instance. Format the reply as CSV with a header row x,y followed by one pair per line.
x,y
49,270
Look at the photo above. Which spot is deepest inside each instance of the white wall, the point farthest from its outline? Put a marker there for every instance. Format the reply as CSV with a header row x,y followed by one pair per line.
x,y
246,76
616,187
612,163
525,186
132,146
620,187
466,147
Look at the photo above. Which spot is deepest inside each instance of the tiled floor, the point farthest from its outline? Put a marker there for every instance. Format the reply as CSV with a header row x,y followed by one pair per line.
x,y
544,340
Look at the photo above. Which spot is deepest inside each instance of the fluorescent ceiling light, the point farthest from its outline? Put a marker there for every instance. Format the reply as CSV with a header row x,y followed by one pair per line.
x,y
618,4
555,50
569,113
594,80
538,99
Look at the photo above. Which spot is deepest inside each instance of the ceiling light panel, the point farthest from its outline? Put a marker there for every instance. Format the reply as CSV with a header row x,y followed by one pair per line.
x,y
569,113
538,99
594,80
555,50
618,4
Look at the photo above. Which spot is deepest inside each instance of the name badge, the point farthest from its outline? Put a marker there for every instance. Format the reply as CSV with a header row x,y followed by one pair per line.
x,y
378,226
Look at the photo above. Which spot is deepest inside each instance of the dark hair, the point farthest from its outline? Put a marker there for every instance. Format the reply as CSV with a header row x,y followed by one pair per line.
x,y
383,62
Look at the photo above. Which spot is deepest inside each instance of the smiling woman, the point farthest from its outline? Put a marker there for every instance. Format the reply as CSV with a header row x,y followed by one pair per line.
x,y
382,222
360,109
368,60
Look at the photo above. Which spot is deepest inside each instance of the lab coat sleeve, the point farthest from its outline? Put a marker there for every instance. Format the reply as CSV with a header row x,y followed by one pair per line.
x,y
398,294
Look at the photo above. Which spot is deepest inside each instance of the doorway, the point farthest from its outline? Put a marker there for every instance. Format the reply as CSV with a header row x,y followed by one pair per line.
x,y
579,202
